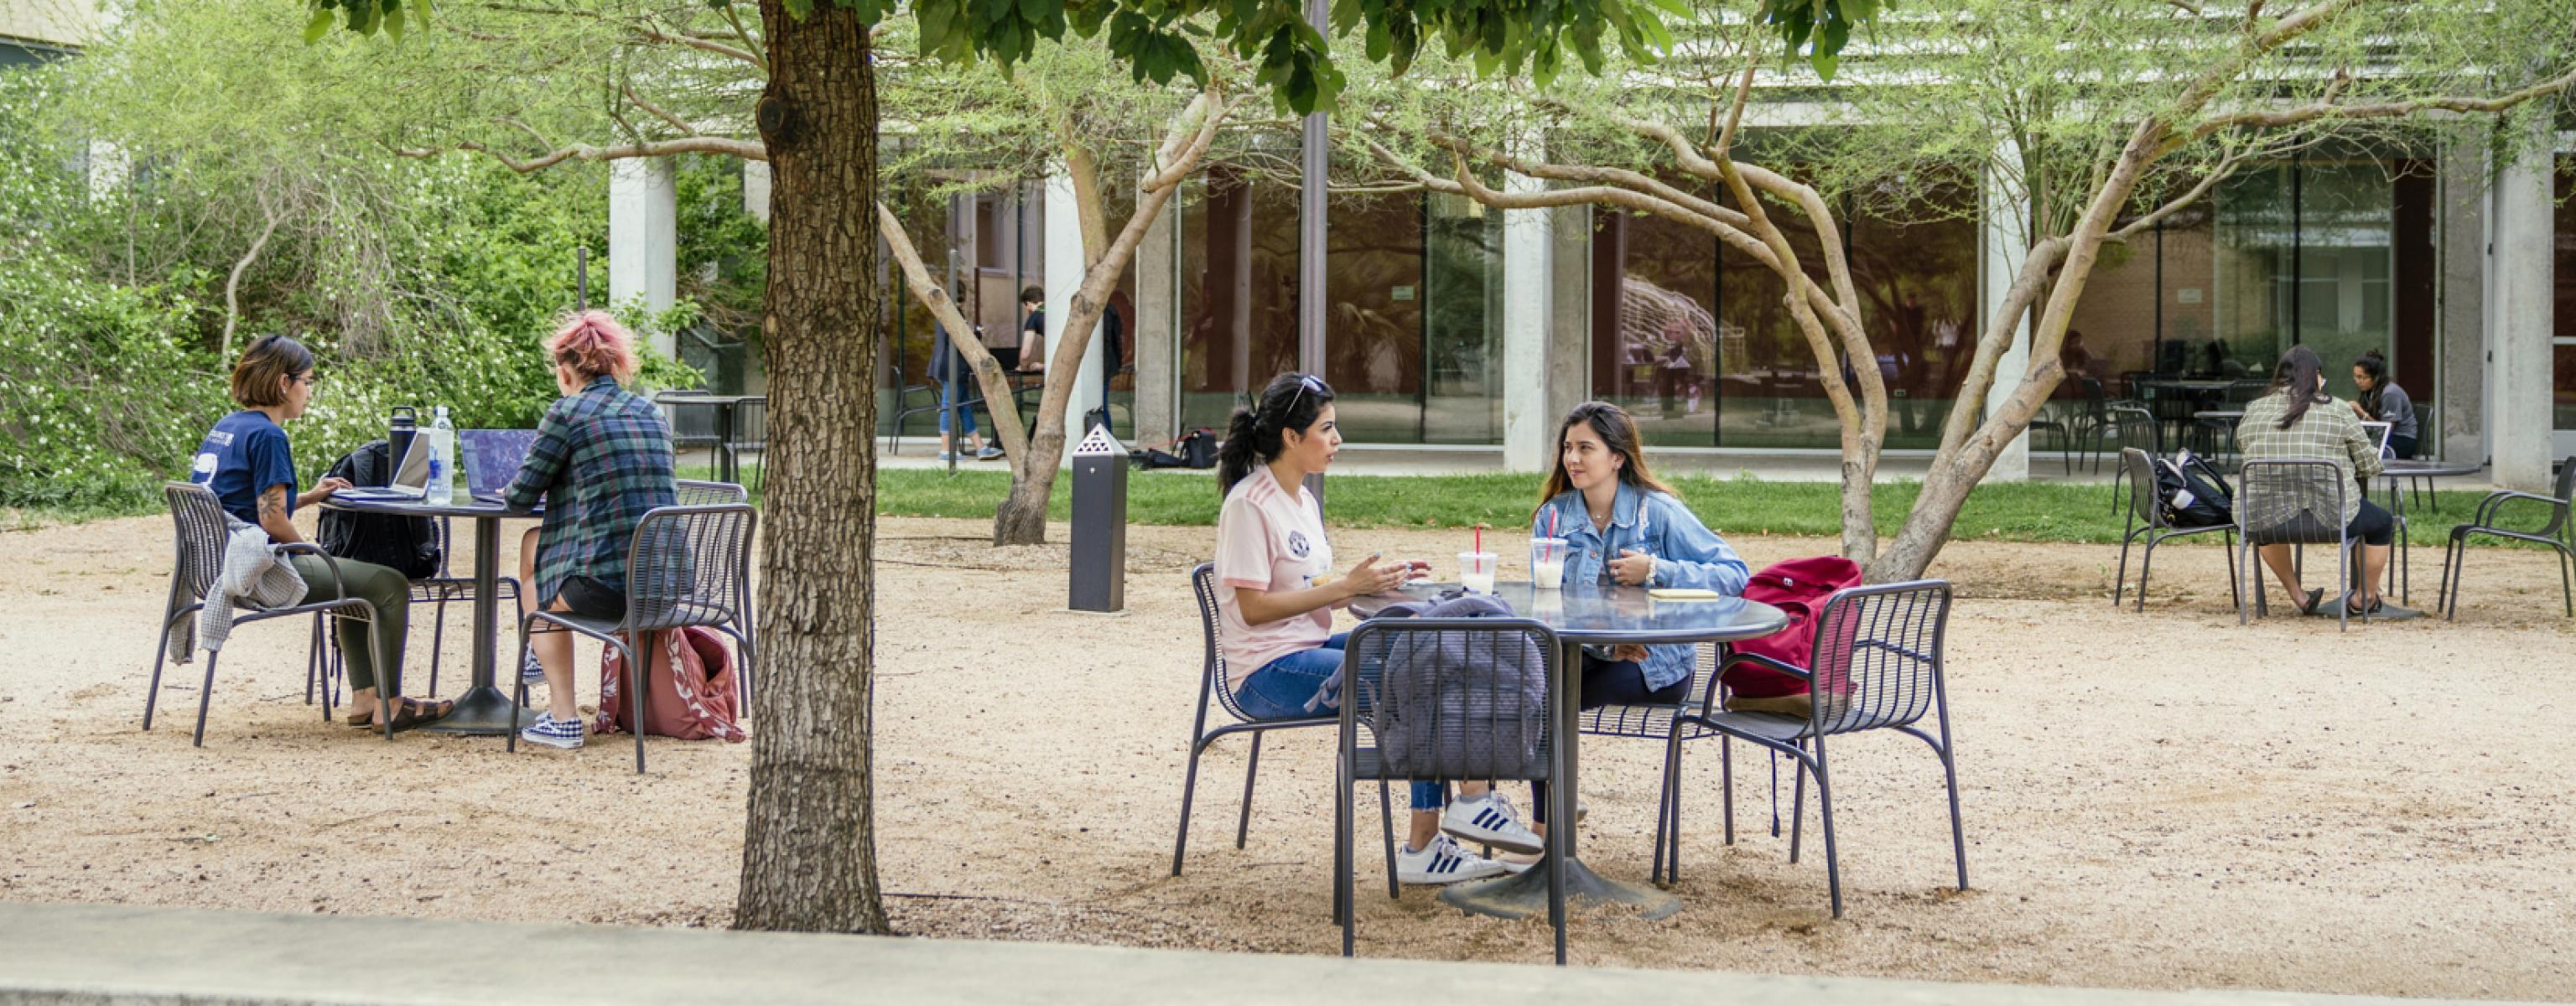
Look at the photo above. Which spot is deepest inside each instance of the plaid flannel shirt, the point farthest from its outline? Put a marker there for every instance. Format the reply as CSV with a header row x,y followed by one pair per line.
x,y
2328,432
602,458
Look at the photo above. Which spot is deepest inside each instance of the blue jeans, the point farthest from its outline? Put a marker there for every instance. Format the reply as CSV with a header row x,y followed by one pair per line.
x,y
966,416
1282,687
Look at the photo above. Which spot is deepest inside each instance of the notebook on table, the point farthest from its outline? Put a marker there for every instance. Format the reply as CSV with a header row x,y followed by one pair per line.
x,y
492,459
410,481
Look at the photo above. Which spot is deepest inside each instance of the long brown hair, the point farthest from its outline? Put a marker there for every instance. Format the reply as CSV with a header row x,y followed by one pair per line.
x,y
2296,377
1618,431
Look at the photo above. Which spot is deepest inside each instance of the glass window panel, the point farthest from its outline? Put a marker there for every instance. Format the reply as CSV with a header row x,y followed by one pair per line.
x,y
2346,249
1655,335
1238,294
1373,322
1463,319
1914,265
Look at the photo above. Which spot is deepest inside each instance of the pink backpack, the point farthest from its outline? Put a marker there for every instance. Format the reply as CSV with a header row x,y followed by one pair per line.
x,y
1798,587
698,702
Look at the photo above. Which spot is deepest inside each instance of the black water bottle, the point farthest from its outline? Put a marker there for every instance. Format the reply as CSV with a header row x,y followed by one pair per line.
x,y
406,421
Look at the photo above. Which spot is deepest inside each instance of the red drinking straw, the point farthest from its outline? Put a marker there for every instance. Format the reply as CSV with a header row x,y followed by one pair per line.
x,y
1480,537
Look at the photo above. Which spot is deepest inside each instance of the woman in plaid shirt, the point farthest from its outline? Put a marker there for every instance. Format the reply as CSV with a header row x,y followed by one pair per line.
x,y
602,458
2309,426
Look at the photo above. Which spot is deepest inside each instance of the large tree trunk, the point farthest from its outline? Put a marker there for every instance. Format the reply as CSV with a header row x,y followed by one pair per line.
x,y
809,846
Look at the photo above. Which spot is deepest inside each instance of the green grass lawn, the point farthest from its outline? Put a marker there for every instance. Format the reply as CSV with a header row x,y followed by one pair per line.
x,y
2022,511
2001,511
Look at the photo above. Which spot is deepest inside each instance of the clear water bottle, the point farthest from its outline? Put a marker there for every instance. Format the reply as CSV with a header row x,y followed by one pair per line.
x,y
442,460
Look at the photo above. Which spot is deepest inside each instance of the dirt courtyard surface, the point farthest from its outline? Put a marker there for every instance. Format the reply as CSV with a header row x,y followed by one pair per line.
x,y
2157,800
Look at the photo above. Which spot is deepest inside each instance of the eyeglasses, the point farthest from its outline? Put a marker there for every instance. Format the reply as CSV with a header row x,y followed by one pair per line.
x,y
308,378
1305,383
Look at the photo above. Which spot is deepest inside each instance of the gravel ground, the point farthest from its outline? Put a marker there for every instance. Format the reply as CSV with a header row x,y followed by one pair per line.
x,y
2157,800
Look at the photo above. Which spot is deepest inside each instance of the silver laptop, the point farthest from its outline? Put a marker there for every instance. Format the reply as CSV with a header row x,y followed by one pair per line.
x,y
2378,435
410,481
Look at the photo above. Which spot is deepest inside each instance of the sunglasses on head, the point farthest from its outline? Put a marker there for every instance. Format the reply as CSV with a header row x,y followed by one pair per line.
x,y
1305,383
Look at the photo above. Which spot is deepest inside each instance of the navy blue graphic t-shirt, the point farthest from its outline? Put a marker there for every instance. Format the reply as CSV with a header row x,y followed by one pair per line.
x,y
242,456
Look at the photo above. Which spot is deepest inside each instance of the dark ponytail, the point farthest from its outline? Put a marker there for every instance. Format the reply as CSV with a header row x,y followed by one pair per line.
x,y
2375,365
1254,436
2296,377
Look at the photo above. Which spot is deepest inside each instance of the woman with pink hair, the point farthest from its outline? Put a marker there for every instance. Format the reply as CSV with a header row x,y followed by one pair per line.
x,y
602,458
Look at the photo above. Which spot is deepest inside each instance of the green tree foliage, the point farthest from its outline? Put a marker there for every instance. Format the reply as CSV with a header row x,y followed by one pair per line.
x,y
129,202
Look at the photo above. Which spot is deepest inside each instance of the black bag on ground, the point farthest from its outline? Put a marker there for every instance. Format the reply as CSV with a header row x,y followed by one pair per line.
x,y
1195,449
406,545
2192,493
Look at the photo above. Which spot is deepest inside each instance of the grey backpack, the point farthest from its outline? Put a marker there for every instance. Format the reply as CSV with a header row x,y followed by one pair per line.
x,y
1457,705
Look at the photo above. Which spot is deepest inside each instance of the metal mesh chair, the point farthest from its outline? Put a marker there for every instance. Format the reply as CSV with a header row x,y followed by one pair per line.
x,y
923,400
692,492
2078,425
1876,665
197,518
2131,426
684,569
2147,518
1446,699
2455,555
2293,501
2217,437
1212,677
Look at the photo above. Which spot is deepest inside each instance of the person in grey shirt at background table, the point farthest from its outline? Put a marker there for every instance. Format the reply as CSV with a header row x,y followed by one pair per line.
x,y
2384,402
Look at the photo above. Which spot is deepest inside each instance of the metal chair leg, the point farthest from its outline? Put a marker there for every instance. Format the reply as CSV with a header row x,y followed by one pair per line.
x,y
1726,782
205,695
2146,565
1386,818
1958,833
160,653
2120,584
1825,806
1798,806
518,693
1664,804
1251,769
637,681
437,640
1189,788
2233,593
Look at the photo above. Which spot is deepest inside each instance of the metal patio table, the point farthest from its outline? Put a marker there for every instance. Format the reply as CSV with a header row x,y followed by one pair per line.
x,y
1580,615
483,708
2396,472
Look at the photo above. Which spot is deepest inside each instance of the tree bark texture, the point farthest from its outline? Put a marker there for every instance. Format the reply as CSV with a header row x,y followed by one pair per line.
x,y
809,849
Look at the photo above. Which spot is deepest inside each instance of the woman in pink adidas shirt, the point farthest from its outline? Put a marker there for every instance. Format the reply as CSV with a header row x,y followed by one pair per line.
x,y
1275,598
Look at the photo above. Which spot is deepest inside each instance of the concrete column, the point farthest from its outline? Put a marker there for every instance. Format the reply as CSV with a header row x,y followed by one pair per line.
x,y
644,239
1064,267
2006,233
1569,332
2520,311
755,189
2459,432
1157,321
1528,313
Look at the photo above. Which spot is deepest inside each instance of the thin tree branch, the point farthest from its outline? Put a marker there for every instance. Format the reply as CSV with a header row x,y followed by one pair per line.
x,y
684,128
2140,225
2277,118
749,150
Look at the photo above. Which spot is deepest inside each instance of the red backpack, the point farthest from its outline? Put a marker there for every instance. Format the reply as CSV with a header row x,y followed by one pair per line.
x,y
1798,587
697,703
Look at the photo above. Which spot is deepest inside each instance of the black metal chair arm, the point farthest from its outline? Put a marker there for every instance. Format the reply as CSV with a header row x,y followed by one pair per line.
x,y
339,587
2491,507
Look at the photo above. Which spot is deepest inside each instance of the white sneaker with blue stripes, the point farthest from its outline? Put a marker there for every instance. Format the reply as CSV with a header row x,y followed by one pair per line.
x,y
1490,820
1445,862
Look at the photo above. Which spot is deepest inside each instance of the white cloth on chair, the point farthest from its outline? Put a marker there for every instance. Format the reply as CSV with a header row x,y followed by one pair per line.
x,y
254,574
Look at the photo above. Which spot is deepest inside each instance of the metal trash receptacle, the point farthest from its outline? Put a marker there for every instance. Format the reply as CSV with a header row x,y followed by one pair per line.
x,y
1099,575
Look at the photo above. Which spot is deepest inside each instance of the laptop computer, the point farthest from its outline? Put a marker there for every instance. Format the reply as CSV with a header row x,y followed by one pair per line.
x,y
2378,435
492,459
410,481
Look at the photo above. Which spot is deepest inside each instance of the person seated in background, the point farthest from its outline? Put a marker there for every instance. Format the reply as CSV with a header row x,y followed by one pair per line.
x,y
246,462
2383,401
601,460
2298,420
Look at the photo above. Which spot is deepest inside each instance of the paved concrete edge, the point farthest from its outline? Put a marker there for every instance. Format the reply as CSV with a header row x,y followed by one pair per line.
x,y
112,954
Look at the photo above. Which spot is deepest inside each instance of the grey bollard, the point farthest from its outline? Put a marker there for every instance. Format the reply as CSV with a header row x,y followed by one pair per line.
x,y
1099,523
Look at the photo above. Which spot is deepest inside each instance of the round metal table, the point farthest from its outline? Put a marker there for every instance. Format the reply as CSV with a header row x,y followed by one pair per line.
x,y
483,708
1581,615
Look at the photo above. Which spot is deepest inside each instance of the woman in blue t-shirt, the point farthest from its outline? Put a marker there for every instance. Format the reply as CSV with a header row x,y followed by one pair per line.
x,y
246,462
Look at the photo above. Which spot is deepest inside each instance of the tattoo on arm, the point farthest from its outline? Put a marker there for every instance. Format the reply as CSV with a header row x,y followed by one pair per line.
x,y
272,504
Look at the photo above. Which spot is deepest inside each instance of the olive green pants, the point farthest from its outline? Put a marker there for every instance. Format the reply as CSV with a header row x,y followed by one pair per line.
x,y
385,591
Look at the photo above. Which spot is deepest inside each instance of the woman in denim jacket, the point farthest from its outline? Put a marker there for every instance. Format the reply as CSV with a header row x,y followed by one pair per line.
x,y
1623,526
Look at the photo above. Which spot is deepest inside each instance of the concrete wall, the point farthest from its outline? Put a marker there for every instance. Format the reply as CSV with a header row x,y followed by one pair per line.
x,y
2460,224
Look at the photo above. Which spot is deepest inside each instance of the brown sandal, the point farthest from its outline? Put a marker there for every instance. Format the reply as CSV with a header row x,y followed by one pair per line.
x,y
408,713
